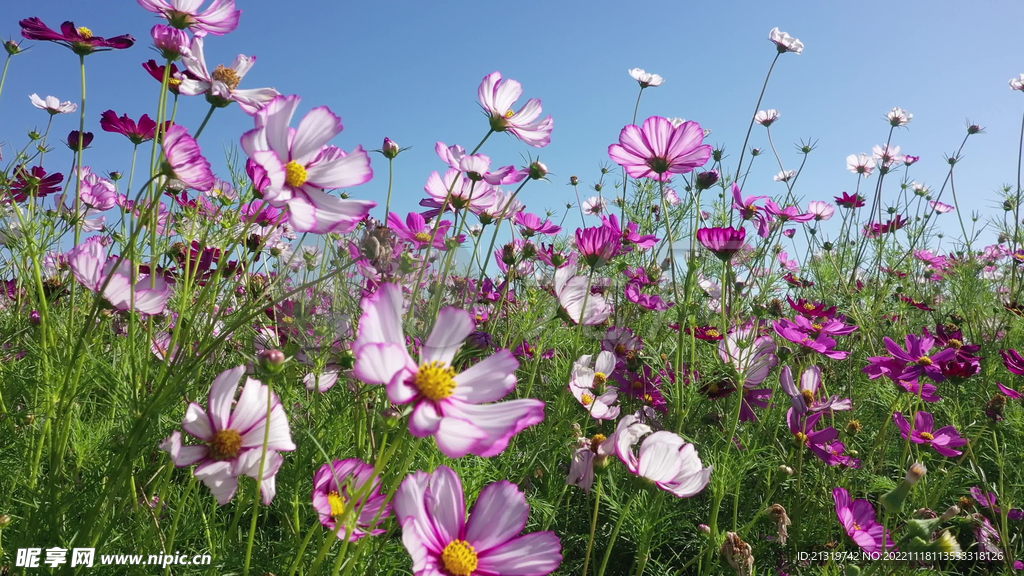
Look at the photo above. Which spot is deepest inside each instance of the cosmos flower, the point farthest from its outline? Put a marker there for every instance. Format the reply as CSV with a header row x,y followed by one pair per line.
x,y
784,42
34,182
850,200
1017,83
801,426
571,291
785,176
589,385
92,269
651,302
944,440
631,237
170,42
142,131
767,117
78,141
751,356
723,242
811,309
1013,361
749,210
820,210
860,522
458,409
898,117
821,343
498,96
805,397
646,79
79,40
597,245
940,207
185,161
886,154
301,166
219,18
665,458
431,509
916,358
658,150
466,194
859,164
590,452
594,206
416,230
221,85
174,78
233,434
531,225
52,105
335,488
787,214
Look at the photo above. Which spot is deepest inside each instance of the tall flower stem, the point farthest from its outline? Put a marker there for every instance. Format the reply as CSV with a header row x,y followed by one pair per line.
x,y
593,526
615,533
259,477
7,63
750,128
486,258
391,179
1016,208
81,146
206,119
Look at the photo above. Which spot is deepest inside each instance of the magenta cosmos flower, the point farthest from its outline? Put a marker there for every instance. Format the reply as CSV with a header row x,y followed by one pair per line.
x,y
571,291
138,132
448,405
219,18
35,182
431,509
531,225
597,245
498,96
301,166
337,488
821,343
723,242
416,231
916,359
233,438
860,522
805,397
221,85
185,161
665,458
660,149
1013,361
944,440
92,268
80,40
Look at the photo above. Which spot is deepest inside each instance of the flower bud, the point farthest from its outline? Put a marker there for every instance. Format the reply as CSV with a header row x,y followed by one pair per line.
x,y
5,520
73,140
170,42
574,180
12,47
390,149
894,499
34,318
786,470
272,361
391,416
704,528
707,179
538,170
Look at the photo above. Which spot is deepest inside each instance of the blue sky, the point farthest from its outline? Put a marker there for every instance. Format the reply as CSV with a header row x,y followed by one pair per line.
x,y
410,71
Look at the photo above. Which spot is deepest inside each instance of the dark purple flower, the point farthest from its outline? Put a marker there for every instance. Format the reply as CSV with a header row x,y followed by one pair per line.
x,y
811,309
944,440
1013,361
73,141
916,357
142,131
723,242
850,200
80,40
34,182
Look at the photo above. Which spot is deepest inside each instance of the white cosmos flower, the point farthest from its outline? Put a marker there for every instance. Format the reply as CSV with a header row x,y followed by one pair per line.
x,y
52,105
899,117
594,205
785,175
1017,83
767,117
860,164
784,42
645,78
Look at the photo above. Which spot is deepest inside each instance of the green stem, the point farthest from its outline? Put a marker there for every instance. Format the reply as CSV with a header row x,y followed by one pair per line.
x,y
593,526
259,477
615,533
205,120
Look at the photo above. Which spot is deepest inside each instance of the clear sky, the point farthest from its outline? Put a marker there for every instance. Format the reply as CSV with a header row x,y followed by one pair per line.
x,y
410,71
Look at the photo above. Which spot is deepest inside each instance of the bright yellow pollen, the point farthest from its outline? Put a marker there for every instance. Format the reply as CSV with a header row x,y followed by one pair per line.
x,y
174,82
857,526
436,380
422,236
620,349
955,343
225,444
816,327
587,399
337,504
924,361
596,441
808,395
295,174
510,113
459,558
599,379
808,306
649,398
713,332
801,437
228,76
84,32
927,436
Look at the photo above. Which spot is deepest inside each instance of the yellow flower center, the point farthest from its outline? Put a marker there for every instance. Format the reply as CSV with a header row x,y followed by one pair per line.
x,y
620,349
808,396
713,332
801,437
295,174
84,32
337,504
927,436
649,398
226,75
808,306
955,343
422,236
587,399
924,361
857,526
174,82
436,380
596,441
225,444
459,558
817,327
510,113
599,379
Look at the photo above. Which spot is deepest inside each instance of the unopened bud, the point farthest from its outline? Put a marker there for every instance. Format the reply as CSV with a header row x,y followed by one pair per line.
x,y
786,470
390,149
538,170
950,513
272,361
35,318
704,528
391,416
574,180
5,520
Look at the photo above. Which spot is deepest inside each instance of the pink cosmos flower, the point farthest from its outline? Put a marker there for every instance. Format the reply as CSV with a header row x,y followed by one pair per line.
x,y
594,206
631,238
751,356
335,488
140,132
233,437
944,440
820,210
531,224
170,42
477,167
830,326
431,509
590,385
221,85
787,214
940,207
862,164
665,458
91,267
658,150
916,359
448,405
416,230
645,78
821,343
185,159
53,105
571,290
805,397
597,245
98,193
498,96
79,40
653,302
465,194
751,211
219,18
723,242
859,520
301,166
589,452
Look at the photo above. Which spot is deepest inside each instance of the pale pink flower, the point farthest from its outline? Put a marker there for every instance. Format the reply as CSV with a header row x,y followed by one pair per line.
x,y
92,269
185,159
860,164
645,78
665,458
589,385
821,210
52,105
221,85
498,96
767,117
219,18
571,290
658,150
784,42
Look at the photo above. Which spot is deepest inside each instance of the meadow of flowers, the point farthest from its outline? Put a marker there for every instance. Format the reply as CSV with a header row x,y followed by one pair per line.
x,y
702,379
